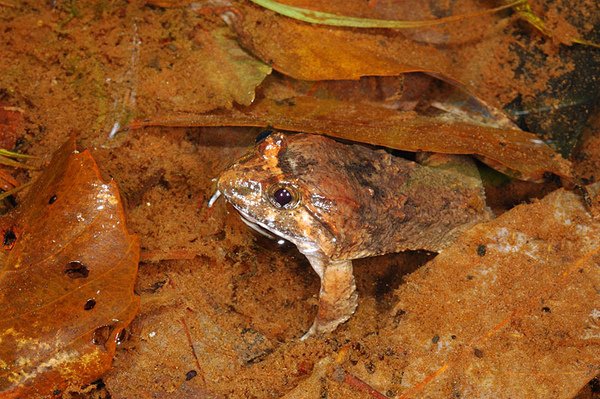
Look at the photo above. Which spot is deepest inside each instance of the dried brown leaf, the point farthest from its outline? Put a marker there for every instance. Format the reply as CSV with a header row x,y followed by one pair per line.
x,y
520,153
310,52
510,310
215,73
66,280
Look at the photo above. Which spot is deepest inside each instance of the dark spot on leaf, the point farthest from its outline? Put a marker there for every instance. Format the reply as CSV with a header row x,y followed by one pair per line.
x,y
478,352
9,238
76,269
390,394
453,336
470,277
52,199
89,304
101,335
190,374
122,336
56,392
481,250
370,367
435,339
10,200
546,309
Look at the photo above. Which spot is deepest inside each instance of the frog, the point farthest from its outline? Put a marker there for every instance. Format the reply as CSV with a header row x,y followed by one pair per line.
x,y
339,201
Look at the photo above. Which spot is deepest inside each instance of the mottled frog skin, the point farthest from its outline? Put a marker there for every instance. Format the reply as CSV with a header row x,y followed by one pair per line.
x,y
337,202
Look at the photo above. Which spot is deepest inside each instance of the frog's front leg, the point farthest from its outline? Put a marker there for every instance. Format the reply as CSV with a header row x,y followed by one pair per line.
x,y
337,297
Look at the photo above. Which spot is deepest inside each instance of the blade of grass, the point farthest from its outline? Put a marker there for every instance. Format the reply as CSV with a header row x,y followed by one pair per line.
x,y
325,18
11,154
15,164
15,190
526,13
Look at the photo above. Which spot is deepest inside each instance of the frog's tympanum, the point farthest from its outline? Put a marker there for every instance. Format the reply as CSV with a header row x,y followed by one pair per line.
x,y
337,202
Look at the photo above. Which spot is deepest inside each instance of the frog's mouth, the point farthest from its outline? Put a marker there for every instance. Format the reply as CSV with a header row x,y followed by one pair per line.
x,y
253,224
247,219
305,247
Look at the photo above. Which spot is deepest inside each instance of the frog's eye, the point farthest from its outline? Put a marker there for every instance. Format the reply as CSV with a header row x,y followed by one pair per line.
x,y
284,196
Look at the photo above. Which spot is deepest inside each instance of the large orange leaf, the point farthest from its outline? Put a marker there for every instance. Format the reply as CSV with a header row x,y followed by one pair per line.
x,y
520,153
66,280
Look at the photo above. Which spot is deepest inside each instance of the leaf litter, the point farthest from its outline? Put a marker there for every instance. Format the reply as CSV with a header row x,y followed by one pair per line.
x,y
220,305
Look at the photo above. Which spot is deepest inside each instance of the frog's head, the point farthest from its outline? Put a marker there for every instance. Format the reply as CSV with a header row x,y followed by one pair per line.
x,y
275,189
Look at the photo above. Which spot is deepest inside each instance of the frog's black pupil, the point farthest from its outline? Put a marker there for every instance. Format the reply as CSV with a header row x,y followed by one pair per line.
x,y
282,196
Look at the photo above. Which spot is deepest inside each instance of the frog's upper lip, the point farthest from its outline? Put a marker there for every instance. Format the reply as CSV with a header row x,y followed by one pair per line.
x,y
304,246
261,227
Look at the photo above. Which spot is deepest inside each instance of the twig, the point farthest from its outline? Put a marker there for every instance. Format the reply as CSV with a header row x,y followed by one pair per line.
x,y
360,385
189,338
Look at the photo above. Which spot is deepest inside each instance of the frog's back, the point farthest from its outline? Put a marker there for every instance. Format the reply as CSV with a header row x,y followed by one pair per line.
x,y
374,203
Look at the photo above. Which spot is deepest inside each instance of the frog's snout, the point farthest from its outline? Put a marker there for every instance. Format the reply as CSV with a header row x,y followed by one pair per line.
x,y
237,188
226,182
219,190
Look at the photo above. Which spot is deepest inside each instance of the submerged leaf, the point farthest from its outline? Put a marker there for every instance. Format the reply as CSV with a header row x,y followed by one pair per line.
x,y
216,74
310,52
519,153
66,280
510,310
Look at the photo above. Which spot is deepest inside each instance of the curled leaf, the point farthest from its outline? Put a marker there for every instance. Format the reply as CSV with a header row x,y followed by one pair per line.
x,y
519,153
66,280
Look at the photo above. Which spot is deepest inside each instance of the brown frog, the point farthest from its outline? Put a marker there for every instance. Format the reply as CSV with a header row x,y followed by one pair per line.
x,y
337,202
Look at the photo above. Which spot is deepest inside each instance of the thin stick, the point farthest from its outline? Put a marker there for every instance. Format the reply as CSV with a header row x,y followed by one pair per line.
x,y
189,338
362,386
